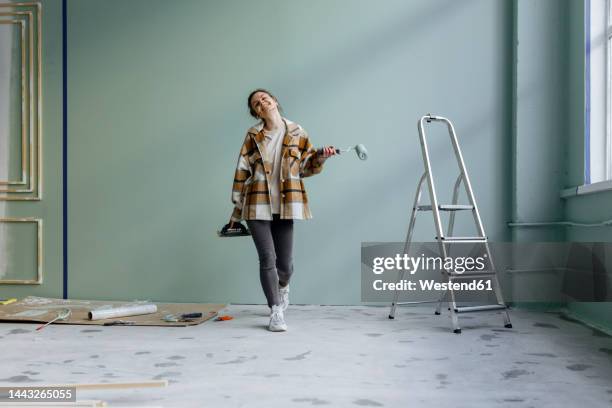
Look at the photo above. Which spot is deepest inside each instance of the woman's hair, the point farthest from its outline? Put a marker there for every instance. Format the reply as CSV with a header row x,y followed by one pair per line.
x,y
251,111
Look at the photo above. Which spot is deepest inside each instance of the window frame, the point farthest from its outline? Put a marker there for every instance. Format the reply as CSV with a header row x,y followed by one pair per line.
x,y
608,71
598,92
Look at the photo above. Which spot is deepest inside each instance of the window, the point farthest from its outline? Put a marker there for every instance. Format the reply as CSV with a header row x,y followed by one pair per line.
x,y
598,74
609,91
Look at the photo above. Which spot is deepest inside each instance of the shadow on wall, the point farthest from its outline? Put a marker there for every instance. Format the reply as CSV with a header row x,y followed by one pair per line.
x,y
587,276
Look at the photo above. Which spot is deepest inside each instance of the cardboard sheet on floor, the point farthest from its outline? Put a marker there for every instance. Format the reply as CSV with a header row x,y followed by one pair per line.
x,y
41,310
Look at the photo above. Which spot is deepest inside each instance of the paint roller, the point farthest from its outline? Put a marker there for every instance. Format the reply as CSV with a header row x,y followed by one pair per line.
x,y
360,150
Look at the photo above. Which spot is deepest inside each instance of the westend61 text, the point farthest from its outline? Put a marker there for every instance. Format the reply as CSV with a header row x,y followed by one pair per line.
x,y
430,284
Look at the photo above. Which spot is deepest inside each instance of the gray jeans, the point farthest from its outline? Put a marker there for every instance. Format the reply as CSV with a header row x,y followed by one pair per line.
x,y
274,243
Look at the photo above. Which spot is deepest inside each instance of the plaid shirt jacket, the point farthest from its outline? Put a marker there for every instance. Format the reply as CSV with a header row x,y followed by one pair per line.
x,y
250,192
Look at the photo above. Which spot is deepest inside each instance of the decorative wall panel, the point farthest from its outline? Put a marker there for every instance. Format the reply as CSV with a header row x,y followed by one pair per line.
x,y
20,68
19,256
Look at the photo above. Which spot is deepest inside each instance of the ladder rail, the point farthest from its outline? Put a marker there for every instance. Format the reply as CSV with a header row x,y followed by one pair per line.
x,y
417,201
436,210
451,225
451,219
413,215
466,178
430,183
476,213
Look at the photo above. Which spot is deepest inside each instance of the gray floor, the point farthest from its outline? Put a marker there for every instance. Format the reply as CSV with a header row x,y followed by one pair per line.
x,y
332,356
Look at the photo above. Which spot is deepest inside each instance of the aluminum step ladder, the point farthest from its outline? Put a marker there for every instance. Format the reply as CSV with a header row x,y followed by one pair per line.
x,y
445,240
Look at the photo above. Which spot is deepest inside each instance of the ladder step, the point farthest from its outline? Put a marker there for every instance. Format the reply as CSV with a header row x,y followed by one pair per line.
x,y
485,308
446,207
463,239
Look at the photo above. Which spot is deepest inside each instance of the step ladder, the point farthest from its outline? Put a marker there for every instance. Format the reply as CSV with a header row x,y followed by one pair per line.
x,y
445,240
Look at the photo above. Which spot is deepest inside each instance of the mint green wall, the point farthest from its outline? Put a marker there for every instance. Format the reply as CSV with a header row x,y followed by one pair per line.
x,y
591,208
50,208
540,122
549,132
539,126
157,114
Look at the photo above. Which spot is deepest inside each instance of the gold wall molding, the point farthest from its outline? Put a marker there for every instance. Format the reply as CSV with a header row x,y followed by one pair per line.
x,y
29,17
39,252
24,99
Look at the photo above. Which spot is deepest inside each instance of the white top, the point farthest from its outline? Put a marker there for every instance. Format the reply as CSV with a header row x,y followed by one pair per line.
x,y
273,143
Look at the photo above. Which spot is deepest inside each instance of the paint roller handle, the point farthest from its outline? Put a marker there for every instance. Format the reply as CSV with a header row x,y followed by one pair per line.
x,y
328,151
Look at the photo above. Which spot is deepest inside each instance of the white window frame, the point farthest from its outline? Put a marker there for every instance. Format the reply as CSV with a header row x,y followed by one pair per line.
x,y
609,90
598,141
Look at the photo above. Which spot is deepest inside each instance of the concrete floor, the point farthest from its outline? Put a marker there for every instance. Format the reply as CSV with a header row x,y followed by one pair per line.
x,y
332,356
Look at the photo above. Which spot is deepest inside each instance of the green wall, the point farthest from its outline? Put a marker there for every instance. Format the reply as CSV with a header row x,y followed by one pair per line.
x,y
591,208
548,133
157,114
49,209
539,115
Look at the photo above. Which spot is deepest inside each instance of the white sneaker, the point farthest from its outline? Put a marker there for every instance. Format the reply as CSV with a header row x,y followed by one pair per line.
x,y
277,320
284,297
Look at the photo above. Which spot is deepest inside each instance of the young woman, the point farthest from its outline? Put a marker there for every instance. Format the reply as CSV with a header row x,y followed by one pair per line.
x,y
268,192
